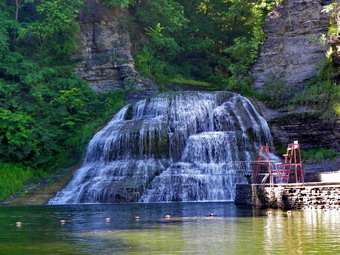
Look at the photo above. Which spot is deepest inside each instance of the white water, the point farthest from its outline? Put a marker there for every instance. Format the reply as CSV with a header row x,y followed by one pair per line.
x,y
174,147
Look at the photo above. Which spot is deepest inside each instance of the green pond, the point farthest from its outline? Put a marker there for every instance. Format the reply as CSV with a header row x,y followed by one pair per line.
x,y
189,230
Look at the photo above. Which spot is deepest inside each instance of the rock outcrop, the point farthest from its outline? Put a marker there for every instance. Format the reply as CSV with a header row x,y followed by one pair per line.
x,y
292,51
312,132
105,50
334,42
293,54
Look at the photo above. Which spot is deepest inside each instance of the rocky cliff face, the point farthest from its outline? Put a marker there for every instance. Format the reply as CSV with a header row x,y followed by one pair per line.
x,y
334,42
105,50
312,132
292,51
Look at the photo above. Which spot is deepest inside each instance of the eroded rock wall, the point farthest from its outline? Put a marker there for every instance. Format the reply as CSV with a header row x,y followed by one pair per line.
x,y
311,132
292,51
334,42
105,51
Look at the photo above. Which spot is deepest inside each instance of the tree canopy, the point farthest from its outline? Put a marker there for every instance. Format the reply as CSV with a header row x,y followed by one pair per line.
x,y
210,40
45,110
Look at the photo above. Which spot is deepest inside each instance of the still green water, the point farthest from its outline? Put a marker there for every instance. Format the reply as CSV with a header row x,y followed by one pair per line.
x,y
189,231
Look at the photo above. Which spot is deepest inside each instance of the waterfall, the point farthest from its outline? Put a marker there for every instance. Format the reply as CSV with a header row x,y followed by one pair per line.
x,y
173,147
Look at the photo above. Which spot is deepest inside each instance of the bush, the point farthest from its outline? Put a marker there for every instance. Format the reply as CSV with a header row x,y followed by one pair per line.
x,y
15,177
276,92
202,40
318,155
321,94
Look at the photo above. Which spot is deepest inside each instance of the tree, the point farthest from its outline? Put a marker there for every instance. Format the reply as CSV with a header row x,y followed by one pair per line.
x,y
203,39
58,16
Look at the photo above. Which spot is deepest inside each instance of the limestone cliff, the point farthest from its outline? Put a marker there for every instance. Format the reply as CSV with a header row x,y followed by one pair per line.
x,y
105,50
292,51
334,42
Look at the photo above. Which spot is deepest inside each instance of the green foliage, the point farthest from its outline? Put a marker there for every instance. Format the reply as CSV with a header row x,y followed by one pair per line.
x,y
279,147
275,92
14,177
121,3
191,82
57,19
318,155
5,24
210,40
334,9
47,114
321,94
162,19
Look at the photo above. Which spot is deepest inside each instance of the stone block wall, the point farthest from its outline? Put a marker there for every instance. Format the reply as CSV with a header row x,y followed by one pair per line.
x,y
290,196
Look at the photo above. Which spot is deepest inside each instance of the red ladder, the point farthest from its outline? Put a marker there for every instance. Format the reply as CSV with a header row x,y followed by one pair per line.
x,y
292,163
256,166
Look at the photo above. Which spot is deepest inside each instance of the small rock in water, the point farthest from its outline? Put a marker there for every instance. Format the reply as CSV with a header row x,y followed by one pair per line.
x,y
108,219
62,222
168,216
18,223
212,215
136,218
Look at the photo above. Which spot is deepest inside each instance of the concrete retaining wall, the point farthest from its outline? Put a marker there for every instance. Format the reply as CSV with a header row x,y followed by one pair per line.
x,y
290,196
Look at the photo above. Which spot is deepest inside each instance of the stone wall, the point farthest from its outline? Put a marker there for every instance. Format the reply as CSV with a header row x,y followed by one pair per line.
x,y
292,52
290,196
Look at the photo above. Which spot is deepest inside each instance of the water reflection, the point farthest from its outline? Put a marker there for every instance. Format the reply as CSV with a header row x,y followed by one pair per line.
x,y
188,231
308,231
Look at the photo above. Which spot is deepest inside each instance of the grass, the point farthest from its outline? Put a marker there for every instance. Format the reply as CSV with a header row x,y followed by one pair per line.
x,y
318,155
14,178
190,84
182,80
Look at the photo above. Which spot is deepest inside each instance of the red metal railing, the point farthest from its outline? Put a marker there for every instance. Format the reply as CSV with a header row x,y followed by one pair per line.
x,y
282,172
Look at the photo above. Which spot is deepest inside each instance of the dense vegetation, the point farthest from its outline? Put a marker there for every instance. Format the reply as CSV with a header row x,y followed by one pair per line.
x,y
214,41
217,41
47,114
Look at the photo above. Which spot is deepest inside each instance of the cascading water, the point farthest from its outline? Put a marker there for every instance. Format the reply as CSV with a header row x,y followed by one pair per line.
x,y
173,147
